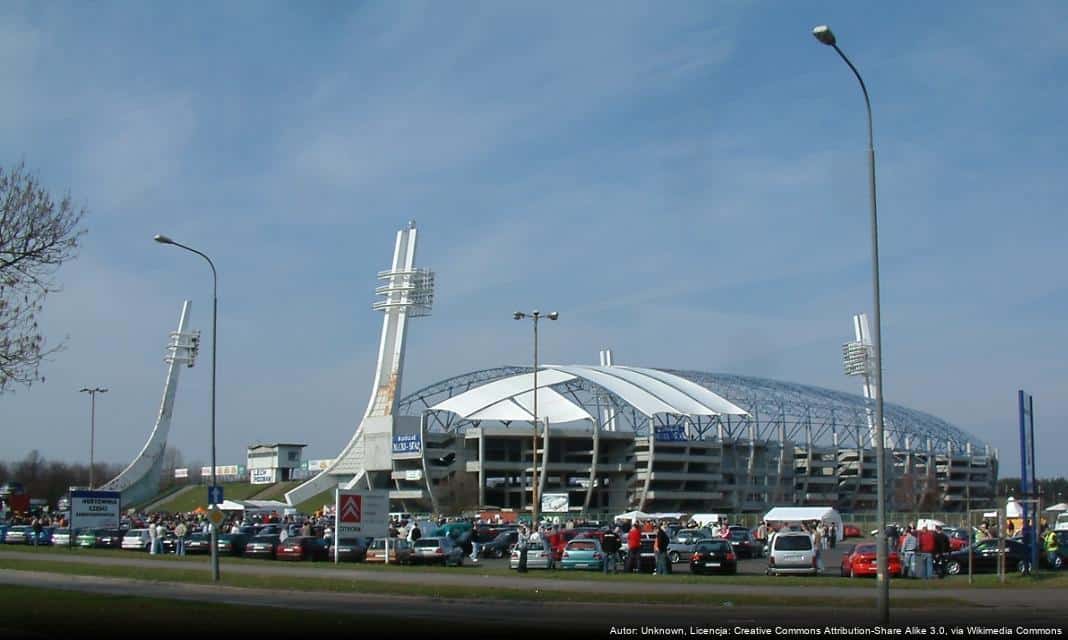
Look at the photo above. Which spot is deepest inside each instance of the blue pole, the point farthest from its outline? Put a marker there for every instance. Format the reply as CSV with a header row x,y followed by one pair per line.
x,y
1034,481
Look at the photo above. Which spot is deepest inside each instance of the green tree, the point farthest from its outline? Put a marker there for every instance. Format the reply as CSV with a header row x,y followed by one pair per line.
x,y
37,235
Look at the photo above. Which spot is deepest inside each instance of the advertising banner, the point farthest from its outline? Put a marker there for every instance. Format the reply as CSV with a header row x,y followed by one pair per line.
x,y
94,509
227,470
555,502
407,443
361,513
261,476
413,475
181,473
671,433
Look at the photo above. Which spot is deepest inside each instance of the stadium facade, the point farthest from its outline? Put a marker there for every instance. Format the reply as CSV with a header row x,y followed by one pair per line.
x,y
618,438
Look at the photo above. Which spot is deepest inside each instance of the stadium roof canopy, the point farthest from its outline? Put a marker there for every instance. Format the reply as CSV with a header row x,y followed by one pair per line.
x,y
649,391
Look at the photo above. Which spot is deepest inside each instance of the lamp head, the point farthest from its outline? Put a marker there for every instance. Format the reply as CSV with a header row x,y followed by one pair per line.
x,y
83,390
519,315
162,239
824,34
554,315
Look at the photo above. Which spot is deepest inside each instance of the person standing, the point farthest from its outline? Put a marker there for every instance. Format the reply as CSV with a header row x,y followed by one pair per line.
x,y
925,558
833,535
153,538
634,546
908,553
522,543
1052,547
179,543
610,544
660,546
941,550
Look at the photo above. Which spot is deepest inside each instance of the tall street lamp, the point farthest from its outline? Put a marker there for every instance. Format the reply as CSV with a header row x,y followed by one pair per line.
x,y
214,344
824,34
92,425
535,316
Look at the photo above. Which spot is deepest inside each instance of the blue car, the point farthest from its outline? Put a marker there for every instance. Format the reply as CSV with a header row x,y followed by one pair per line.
x,y
583,553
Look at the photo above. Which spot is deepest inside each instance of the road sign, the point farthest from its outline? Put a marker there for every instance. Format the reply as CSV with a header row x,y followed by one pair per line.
x,y
216,516
94,509
215,495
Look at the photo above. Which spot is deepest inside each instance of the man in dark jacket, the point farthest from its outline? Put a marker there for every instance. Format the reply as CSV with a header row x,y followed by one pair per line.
x,y
660,546
610,545
941,551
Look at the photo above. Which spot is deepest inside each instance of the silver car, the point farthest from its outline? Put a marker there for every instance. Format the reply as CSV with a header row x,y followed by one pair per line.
x,y
538,557
437,549
793,553
137,540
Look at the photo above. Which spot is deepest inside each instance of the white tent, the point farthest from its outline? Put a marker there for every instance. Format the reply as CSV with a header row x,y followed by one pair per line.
x,y
231,505
1060,506
706,519
789,515
633,516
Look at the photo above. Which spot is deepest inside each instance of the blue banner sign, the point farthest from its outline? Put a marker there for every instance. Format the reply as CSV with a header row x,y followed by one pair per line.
x,y
408,443
671,433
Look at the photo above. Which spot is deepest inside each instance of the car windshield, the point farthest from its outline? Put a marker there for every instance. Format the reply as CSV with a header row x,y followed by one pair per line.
x,y
793,543
422,543
582,545
739,534
710,546
136,533
868,549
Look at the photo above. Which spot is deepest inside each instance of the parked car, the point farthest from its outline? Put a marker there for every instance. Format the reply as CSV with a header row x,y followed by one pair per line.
x,y
850,531
198,543
302,548
985,558
400,551
958,538
348,550
136,540
437,549
646,554
231,544
860,561
565,536
744,543
713,556
500,546
44,536
262,546
792,553
61,537
19,534
582,553
169,542
100,539
682,546
539,556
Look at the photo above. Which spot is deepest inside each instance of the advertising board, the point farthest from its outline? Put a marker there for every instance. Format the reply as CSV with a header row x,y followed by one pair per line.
x,y
181,473
671,433
94,509
261,476
361,513
555,502
407,443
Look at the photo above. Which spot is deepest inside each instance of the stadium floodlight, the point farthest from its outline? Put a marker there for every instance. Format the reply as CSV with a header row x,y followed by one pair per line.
x,y
824,34
535,316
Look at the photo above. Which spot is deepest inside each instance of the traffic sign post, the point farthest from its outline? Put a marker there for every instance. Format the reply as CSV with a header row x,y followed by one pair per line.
x,y
215,495
215,515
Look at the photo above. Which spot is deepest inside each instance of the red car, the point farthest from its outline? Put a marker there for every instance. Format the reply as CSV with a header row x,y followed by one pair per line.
x,y
850,531
302,548
861,562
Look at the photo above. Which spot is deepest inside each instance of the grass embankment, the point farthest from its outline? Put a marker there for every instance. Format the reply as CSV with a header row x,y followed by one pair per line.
x,y
276,491
198,497
316,502
72,614
180,574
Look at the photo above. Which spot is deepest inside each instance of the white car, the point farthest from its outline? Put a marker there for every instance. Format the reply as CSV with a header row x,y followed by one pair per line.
x,y
136,540
793,553
538,557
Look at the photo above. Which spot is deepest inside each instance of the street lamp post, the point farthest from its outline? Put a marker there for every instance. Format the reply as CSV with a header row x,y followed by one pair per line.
x,y
535,316
92,425
824,34
214,344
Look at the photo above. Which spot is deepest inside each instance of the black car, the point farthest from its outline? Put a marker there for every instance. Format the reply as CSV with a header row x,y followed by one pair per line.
x,y
198,543
714,556
349,550
745,545
262,546
500,546
232,544
985,558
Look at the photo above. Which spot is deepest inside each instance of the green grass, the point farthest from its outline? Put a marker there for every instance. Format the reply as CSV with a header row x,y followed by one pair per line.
x,y
173,573
316,502
198,497
71,614
276,491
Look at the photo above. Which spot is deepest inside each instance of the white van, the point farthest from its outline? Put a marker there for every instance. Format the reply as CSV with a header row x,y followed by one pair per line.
x,y
1062,522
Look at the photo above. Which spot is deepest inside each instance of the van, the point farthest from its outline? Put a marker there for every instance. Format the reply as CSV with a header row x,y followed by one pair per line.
x,y
792,553
1062,522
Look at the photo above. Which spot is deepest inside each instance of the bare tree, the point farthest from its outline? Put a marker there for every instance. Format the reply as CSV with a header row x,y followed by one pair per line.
x,y
37,235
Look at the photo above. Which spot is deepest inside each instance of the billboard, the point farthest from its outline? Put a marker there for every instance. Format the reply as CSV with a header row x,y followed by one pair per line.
x,y
361,513
555,502
227,470
261,476
407,443
181,473
671,433
94,509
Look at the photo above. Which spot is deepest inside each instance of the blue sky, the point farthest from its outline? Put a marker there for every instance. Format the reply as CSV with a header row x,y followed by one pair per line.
x,y
683,182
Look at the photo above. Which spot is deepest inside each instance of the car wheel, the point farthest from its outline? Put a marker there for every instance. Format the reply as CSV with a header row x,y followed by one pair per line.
x,y
500,553
1058,562
953,567
1021,567
674,557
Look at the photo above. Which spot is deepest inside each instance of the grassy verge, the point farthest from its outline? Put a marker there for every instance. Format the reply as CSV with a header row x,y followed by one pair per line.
x,y
198,497
1043,580
70,614
304,584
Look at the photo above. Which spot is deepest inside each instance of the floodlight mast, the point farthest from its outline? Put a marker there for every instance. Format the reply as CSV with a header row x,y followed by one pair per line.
x,y
92,426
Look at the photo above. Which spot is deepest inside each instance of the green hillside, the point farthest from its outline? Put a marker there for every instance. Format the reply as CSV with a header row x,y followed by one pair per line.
x,y
276,491
315,502
190,500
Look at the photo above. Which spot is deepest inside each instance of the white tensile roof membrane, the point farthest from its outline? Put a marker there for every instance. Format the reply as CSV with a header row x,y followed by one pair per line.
x,y
647,390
